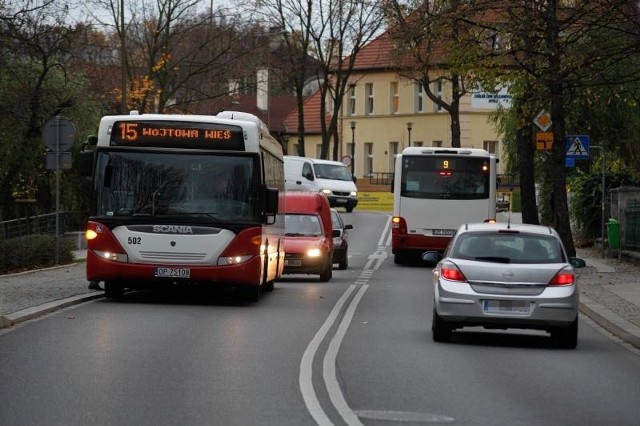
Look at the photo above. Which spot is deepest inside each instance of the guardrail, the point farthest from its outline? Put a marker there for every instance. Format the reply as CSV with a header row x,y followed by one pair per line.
x,y
43,224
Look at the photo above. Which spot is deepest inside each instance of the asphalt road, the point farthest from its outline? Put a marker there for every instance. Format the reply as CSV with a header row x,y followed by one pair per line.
x,y
356,350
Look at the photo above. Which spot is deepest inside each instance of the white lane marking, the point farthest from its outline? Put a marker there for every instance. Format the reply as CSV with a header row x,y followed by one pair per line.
x,y
305,379
329,364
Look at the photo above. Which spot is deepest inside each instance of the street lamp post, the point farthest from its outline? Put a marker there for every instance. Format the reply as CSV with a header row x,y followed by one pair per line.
x,y
409,127
602,195
353,147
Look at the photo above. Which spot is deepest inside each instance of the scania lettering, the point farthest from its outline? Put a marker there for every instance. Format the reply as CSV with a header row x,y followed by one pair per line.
x,y
184,199
435,190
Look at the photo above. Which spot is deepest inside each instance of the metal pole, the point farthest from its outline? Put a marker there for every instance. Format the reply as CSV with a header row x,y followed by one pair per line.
x,y
409,127
353,147
57,190
602,197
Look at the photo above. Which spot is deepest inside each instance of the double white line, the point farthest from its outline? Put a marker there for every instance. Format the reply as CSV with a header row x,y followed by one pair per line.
x,y
329,362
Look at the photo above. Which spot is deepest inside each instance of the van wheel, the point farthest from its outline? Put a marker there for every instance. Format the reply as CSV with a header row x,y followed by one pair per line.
x,y
349,209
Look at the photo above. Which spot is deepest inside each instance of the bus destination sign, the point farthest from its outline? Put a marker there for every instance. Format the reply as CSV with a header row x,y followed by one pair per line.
x,y
177,135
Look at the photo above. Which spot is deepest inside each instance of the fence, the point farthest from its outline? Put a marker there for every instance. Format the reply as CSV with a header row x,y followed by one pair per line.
x,y
43,224
625,207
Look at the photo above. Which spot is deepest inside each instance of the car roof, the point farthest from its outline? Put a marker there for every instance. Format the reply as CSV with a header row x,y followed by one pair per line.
x,y
506,227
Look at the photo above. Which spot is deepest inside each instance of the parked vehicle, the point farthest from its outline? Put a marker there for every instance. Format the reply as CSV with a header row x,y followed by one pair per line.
x,y
501,275
308,241
332,178
340,240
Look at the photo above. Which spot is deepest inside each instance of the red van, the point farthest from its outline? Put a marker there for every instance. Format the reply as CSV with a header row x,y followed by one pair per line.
x,y
308,240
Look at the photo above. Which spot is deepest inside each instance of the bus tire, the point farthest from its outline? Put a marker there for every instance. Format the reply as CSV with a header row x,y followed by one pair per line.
x,y
113,290
252,293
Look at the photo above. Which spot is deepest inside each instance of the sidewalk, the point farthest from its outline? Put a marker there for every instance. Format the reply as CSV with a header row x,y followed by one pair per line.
x,y
609,293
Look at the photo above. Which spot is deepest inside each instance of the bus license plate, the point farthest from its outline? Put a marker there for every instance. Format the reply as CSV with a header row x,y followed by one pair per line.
x,y
444,232
173,272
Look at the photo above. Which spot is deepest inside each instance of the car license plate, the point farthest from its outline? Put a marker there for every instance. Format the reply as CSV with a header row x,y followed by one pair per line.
x,y
173,272
444,232
505,307
292,263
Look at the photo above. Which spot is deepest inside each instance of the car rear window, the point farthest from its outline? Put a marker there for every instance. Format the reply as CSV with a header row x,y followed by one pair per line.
x,y
508,248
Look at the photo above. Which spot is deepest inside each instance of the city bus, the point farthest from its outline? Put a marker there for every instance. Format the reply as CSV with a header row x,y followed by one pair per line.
x,y
184,200
435,190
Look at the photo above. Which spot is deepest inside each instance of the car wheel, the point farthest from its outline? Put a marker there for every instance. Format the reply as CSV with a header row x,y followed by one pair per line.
x,y
326,275
113,290
566,337
440,329
344,262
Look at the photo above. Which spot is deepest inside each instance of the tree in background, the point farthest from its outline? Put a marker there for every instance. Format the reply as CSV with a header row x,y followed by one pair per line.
x,y
37,84
333,32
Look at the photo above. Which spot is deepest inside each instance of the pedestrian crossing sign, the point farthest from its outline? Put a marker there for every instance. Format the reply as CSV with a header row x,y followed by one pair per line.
x,y
577,146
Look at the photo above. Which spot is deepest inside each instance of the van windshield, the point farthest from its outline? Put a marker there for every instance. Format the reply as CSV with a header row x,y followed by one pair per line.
x,y
332,171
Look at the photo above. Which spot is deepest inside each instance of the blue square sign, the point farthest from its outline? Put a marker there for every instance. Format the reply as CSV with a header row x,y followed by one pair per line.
x,y
577,146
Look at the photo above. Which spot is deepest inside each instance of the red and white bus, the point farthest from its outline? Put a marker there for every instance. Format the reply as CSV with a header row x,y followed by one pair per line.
x,y
185,199
435,190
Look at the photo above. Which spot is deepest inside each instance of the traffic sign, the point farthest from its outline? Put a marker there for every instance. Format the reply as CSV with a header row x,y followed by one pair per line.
x,y
577,146
59,134
544,141
543,120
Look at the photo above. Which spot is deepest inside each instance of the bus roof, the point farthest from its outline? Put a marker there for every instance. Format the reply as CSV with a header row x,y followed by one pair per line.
x,y
420,150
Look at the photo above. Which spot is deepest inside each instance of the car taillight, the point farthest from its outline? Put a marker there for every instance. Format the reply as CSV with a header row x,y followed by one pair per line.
x,y
450,271
563,277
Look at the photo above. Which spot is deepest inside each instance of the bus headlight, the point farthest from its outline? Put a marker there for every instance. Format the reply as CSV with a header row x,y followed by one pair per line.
x,y
115,257
233,260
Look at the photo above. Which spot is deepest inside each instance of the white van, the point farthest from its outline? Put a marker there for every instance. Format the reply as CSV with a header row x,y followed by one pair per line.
x,y
332,178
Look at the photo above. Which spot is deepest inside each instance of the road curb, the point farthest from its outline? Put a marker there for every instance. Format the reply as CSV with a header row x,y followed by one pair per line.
x,y
610,321
18,317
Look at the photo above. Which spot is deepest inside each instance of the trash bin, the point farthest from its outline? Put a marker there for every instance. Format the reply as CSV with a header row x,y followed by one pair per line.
x,y
613,232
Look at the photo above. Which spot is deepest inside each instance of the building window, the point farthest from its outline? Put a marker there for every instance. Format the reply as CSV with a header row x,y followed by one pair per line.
x,y
420,97
437,144
351,110
368,90
418,143
393,151
368,159
490,146
319,150
437,91
395,98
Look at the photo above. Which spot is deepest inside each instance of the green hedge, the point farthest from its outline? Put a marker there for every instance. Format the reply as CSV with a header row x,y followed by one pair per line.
x,y
33,252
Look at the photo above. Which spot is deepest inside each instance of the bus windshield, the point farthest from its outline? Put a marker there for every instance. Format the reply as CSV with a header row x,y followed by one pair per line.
x,y
445,177
193,186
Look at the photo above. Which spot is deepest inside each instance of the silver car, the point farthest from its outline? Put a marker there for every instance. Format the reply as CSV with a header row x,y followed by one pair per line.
x,y
500,275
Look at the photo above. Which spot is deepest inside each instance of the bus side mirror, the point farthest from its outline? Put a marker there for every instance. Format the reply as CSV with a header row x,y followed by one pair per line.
x,y
85,163
271,196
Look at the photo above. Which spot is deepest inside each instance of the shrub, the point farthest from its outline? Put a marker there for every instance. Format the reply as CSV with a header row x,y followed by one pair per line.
x,y
33,252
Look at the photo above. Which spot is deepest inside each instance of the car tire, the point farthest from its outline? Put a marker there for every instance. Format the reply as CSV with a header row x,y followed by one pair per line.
x,y
344,262
566,337
441,331
113,290
326,275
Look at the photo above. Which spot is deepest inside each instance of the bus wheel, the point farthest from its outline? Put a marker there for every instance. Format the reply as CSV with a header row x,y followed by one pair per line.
x,y
113,290
268,286
252,293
